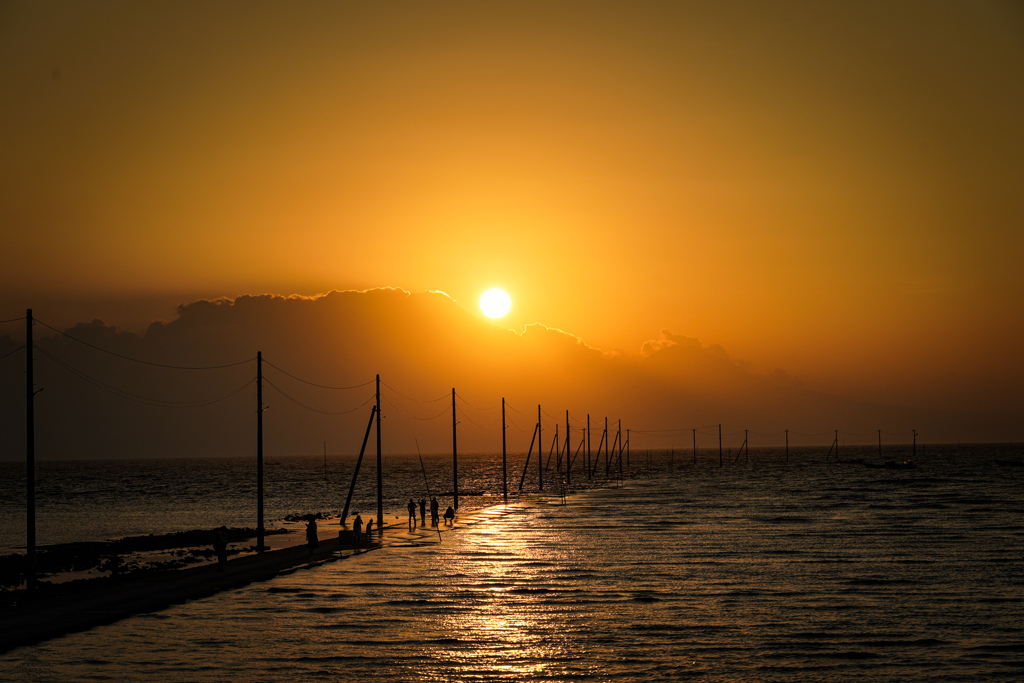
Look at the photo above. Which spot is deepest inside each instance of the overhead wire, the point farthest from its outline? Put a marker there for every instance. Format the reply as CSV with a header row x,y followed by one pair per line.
x,y
144,362
314,384
311,408
138,398
11,353
446,411
418,400
471,405
12,320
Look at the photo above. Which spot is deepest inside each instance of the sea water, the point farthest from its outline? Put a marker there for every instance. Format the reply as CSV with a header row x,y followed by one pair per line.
x,y
760,570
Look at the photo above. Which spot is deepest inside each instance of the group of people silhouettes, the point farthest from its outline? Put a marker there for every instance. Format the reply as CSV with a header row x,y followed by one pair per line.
x,y
362,535
449,514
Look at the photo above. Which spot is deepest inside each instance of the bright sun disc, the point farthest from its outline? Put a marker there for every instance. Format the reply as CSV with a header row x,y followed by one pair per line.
x,y
495,303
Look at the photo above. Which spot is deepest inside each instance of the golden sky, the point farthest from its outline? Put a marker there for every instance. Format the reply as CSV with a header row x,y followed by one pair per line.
x,y
830,188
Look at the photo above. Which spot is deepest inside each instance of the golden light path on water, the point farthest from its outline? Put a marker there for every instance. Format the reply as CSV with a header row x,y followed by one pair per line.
x,y
785,571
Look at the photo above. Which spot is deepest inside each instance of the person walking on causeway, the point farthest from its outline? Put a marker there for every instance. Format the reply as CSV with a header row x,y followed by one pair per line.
x,y
412,514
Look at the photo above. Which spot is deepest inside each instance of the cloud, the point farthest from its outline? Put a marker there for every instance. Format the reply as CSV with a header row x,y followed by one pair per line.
x,y
193,392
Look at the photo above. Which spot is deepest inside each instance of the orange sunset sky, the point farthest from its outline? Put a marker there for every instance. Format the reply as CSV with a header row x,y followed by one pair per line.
x,y
835,189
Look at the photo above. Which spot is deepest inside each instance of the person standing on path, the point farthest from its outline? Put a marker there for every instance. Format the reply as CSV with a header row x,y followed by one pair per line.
x,y
412,514
423,511
433,511
357,530
312,539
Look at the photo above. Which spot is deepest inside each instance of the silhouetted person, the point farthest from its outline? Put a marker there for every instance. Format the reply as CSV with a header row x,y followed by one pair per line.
x,y
369,531
312,540
412,514
449,515
433,511
357,530
423,511
220,548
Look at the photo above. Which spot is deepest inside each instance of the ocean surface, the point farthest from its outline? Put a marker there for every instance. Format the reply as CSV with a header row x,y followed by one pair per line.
x,y
760,570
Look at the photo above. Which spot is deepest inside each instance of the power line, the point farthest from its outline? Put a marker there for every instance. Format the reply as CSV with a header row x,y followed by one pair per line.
x,y
314,384
146,400
418,400
9,353
441,414
144,362
311,408
474,407
12,320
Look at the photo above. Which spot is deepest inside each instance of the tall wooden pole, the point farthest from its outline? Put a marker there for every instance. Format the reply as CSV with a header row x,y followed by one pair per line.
x,y
719,444
380,470
588,445
455,456
504,454
627,446
568,450
618,437
540,459
259,452
606,455
30,458
359,462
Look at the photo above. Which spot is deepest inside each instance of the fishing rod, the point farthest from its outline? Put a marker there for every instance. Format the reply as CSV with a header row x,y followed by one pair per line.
x,y
425,482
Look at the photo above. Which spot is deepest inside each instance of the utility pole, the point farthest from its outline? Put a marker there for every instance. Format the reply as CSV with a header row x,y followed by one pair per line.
x,y
30,457
719,444
540,458
606,455
568,450
618,437
588,445
504,454
455,456
259,452
380,467
627,447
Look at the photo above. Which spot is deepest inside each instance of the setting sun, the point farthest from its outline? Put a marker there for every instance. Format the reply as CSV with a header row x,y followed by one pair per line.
x,y
495,303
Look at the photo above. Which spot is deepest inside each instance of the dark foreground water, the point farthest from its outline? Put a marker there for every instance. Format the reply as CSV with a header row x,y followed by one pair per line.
x,y
767,571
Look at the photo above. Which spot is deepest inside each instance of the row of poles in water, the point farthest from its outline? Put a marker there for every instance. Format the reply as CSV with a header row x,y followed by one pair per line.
x,y
375,417
564,453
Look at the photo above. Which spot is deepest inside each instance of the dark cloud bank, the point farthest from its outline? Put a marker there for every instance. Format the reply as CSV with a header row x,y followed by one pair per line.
x,y
97,405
